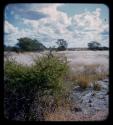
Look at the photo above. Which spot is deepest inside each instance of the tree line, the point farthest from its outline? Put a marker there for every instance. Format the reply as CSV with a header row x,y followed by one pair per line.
x,y
28,44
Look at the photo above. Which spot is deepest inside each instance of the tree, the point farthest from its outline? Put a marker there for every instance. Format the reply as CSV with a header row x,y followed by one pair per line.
x,y
4,46
7,48
16,49
62,44
94,45
105,48
28,44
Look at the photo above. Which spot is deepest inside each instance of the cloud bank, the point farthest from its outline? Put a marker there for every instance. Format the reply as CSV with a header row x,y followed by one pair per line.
x,y
47,23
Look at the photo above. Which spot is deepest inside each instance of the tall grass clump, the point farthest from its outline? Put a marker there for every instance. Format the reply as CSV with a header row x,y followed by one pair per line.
x,y
89,74
30,91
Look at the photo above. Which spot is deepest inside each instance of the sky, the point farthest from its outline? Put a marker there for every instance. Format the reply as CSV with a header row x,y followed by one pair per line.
x,y
78,24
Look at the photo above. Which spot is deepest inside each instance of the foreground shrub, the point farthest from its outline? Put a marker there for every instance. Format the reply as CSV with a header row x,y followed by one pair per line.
x,y
23,83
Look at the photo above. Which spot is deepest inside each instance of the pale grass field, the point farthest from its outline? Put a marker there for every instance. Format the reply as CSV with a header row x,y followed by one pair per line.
x,y
74,57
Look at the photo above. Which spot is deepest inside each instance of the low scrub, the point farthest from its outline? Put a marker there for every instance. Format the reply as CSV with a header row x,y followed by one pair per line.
x,y
22,85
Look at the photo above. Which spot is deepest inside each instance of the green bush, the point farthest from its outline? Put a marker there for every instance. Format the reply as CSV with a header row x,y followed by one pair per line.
x,y
51,72
45,76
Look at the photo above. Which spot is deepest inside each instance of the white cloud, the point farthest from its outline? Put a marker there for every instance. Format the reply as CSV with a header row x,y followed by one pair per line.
x,y
55,14
9,28
88,26
78,30
88,20
12,33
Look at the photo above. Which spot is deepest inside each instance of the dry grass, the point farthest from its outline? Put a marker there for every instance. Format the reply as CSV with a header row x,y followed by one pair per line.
x,y
59,115
83,78
83,81
55,117
96,86
89,74
66,115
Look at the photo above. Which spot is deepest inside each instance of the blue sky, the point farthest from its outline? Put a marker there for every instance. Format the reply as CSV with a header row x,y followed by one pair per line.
x,y
78,24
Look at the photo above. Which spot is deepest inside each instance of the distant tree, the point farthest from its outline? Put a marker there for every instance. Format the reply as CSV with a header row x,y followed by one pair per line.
x,y
16,49
4,46
28,44
7,48
105,48
62,44
94,45
11,48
